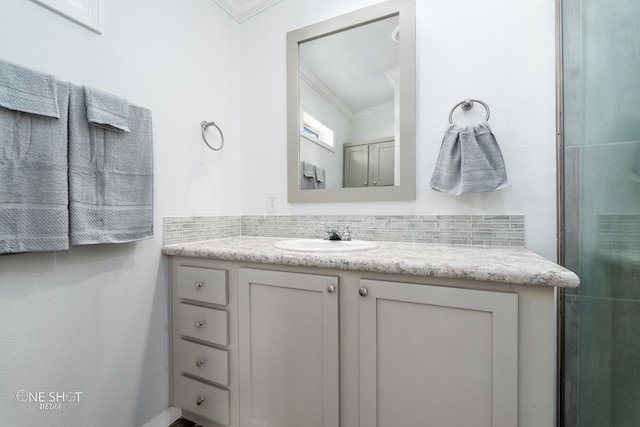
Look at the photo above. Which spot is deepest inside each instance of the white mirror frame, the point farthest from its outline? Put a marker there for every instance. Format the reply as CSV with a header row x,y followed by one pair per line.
x,y
406,190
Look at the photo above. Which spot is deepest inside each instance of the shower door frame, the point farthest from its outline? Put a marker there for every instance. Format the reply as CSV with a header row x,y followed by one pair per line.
x,y
560,218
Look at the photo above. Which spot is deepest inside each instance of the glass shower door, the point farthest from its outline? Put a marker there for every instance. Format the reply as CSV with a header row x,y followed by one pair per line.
x,y
601,133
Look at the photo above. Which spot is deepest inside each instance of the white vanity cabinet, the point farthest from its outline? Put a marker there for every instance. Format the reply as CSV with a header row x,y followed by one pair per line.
x,y
200,342
437,356
309,346
289,352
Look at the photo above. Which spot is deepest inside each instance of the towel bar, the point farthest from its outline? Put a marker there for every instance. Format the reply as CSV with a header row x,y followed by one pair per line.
x,y
205,125
467,104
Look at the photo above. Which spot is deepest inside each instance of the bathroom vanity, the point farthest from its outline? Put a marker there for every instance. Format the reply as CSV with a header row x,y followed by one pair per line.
x,y
401,335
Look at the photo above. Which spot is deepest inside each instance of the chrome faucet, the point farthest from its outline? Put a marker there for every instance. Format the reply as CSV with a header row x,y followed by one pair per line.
x,y
334,233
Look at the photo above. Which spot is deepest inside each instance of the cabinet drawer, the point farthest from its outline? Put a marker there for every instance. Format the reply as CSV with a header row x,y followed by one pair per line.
x,y
203,399
203,284
203,323
205,362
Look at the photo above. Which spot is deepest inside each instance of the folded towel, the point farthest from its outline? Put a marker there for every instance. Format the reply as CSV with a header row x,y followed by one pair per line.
x,y
34,216
106,110
307,176
27,90
308,170
470,161
320,178
110,177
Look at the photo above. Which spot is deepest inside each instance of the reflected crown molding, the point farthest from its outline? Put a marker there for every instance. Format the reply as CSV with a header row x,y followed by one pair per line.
x,y
321,89
241,10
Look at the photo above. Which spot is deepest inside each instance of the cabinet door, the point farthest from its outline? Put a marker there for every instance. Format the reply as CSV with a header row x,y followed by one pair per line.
x,y
381,155
437,356
356,166
289,355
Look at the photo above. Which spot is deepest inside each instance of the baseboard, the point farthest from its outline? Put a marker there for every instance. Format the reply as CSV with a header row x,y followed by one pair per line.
x,y
165,418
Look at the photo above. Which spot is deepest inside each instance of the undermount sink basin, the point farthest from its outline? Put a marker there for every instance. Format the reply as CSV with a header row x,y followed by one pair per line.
x,y
319,245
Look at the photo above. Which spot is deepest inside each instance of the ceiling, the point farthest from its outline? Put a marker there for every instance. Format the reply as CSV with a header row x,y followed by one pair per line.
x,y
354,64
241,10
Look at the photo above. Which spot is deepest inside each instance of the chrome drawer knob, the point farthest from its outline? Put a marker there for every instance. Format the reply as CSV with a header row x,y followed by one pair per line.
x,y
199,362
198,324
198,285
331,289
199,400
363,292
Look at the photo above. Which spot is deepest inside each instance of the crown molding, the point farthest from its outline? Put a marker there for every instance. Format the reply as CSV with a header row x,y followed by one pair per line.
x,y
241,10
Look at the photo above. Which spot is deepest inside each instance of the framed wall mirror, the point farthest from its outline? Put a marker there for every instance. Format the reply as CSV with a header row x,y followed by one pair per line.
x,y
351,107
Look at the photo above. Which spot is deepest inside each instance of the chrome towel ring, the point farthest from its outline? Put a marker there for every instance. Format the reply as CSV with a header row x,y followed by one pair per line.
x,y
205,125
467,104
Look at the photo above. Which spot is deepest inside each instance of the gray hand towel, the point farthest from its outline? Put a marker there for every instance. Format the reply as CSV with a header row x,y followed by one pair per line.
x,y
27,90
34,214
110,177
470,161
307,176
106,110
308,170
447,175
320,178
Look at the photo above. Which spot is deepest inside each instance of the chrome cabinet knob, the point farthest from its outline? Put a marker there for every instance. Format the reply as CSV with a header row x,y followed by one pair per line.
x,y
198,324
198,285
363,292
199,362
331,289
199,400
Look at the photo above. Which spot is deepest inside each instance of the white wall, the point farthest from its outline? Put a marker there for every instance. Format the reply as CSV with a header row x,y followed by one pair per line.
x,y
318,107
374,124
94,319
500,51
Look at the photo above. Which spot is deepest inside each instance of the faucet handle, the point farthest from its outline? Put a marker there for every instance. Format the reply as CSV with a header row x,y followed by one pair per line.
x,y
327,227
346,234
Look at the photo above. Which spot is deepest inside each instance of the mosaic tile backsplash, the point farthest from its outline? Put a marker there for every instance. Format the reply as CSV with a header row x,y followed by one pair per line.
x,y
619,232
481,230
183,229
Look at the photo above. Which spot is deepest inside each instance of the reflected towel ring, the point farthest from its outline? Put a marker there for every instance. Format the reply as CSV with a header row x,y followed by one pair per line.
x,y
467,104
205,125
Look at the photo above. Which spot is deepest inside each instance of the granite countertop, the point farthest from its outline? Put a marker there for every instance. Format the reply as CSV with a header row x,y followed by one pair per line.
x,y
495,264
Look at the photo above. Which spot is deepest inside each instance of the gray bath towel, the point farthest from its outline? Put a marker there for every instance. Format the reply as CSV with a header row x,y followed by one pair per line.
x,y
307,176
106,110
320,178
29,91
470,161
110,177
33,179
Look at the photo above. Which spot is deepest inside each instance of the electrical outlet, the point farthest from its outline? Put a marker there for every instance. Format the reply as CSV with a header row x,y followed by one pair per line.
x,y
272,203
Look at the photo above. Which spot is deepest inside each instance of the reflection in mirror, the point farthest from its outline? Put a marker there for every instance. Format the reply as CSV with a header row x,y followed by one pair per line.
x,y
351,106
347,100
